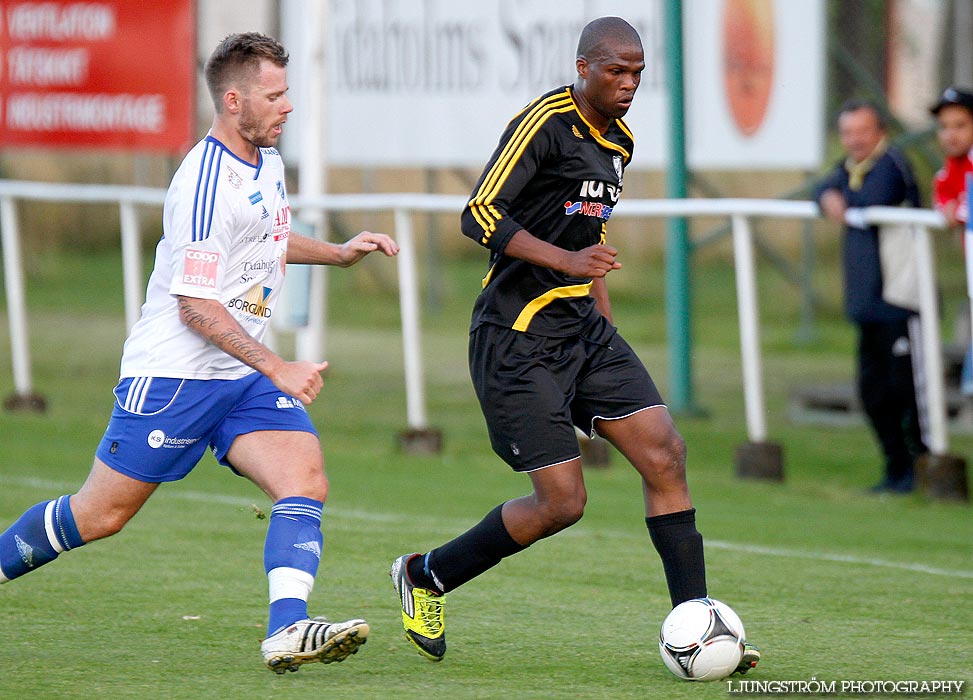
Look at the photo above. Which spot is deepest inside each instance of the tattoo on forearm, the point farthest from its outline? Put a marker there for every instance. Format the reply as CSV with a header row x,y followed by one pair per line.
x,y
233,341
195,319
241,347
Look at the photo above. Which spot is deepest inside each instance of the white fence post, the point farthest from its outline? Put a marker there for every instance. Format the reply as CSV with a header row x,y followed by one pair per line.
x,y
931,343
13,273
746,279
409,306
131,262
310,342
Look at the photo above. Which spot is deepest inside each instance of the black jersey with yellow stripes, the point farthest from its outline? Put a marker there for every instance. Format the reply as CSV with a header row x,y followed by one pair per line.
x,y
556,176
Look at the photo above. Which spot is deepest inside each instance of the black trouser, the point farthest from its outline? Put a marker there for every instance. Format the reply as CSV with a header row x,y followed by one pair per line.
x,y
887,389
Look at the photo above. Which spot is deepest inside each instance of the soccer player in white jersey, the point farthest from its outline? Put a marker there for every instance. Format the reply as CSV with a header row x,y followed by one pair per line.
x,y
195,374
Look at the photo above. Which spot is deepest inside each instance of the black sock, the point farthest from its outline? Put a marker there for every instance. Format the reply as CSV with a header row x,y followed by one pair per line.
x,y
416,569
466,557
681,548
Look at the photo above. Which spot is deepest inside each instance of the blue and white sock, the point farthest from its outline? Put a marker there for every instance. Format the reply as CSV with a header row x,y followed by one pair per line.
x,y
292,553
39,535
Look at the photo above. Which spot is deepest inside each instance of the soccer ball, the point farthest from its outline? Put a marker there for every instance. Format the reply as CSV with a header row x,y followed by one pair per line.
x,y
702,640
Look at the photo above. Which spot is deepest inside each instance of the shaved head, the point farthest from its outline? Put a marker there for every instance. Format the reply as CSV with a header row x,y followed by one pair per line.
x,y
600,34
610,62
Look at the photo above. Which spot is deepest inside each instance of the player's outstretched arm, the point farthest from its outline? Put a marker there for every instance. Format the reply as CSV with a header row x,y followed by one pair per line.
x,y
214,324
309,251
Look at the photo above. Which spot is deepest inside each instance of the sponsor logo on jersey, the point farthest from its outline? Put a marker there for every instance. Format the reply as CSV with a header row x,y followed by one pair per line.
x,y
199,268
596,188
282,223
261,265
256,198
254,303
617,164
574,130
264,214
280,189
585,208
262,269
158,438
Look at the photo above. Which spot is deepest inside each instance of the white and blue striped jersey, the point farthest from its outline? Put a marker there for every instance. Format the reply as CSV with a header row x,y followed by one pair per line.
x,y
225,229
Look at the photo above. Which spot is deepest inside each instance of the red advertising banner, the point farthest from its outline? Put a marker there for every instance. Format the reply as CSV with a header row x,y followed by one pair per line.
x,y
114,74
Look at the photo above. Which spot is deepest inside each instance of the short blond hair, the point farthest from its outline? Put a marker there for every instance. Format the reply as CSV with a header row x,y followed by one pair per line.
x,y
237,59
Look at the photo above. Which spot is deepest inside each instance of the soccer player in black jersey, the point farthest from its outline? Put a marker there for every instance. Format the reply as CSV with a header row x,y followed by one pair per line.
x,y
544,355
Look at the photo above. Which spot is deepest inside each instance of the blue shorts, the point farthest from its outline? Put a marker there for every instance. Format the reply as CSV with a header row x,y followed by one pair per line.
x,y
160,427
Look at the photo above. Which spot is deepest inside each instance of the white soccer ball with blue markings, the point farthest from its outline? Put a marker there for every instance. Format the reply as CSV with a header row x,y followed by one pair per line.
x,y
702,640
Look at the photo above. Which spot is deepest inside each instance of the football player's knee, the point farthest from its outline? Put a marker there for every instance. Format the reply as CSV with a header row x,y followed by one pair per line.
x,y
568,511
677,452
109,523
318,488
668,461
321,491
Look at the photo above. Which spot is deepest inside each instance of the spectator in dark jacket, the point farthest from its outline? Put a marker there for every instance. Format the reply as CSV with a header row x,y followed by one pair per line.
x,y
875,173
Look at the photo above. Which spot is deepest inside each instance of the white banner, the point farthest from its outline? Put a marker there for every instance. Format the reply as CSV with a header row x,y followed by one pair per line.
x,y
433,82
754,83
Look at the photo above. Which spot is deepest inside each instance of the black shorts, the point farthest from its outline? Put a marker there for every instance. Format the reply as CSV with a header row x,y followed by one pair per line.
x,y
534,389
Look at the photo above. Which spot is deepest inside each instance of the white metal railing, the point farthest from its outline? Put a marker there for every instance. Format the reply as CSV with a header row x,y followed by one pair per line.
x,y
740,212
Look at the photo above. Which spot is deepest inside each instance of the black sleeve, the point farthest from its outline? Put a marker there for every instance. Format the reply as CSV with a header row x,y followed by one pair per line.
x,y
522,148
